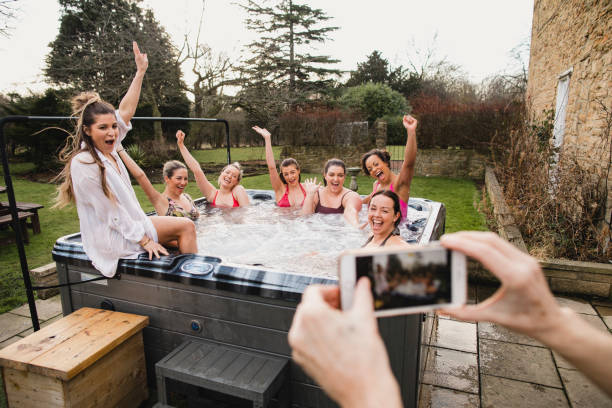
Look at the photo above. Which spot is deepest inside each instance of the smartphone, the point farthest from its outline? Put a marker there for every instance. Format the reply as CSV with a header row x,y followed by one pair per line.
x,y
405,280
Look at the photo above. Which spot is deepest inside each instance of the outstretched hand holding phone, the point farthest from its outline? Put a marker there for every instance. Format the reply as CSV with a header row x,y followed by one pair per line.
x,y
334,346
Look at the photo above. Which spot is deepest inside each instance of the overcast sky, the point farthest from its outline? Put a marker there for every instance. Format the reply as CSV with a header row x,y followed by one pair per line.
x,y
478,35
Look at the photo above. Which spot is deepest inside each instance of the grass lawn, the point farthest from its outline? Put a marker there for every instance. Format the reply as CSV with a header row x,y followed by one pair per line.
x,y
457,194
238,154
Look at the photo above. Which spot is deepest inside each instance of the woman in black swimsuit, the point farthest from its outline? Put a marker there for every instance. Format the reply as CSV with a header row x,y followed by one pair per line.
x,y
384,215
334,198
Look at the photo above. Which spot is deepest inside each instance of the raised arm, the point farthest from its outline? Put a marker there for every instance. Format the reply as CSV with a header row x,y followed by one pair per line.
x,y
155,197
310,202
205,186
127,106
275,180
407,171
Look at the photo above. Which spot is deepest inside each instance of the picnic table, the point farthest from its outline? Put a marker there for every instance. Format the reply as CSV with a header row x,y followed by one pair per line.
x,y
2,189
25,212
31,208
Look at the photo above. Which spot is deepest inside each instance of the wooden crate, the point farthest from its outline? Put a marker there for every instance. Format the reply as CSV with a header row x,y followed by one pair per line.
x,y
90,358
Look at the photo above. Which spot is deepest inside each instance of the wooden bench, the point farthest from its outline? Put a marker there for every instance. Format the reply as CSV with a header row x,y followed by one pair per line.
x,y
28,207
23,216
249,375
90,358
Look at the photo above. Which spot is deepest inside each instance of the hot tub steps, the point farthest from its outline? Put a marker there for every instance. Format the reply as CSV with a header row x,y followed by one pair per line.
x,y
228,370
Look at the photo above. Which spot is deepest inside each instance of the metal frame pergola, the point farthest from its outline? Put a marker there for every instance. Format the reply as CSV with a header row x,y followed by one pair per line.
x,y
11,193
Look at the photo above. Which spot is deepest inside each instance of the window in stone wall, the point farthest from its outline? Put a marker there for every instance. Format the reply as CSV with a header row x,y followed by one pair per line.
x,y
559,124
561,108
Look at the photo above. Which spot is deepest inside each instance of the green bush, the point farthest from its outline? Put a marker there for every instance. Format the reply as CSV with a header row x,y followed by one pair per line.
x,y
396,133
374,100
137,154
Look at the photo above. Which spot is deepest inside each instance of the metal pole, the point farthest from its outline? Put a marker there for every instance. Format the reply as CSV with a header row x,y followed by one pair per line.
x,y
25,271
11,194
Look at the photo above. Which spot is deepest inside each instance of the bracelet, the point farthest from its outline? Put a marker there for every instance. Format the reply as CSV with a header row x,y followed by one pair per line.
x,y
119,151
147,240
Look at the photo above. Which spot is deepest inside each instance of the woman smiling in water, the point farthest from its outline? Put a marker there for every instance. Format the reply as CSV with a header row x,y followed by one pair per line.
x,y
376,163
384,216
334,198
287,187
230,193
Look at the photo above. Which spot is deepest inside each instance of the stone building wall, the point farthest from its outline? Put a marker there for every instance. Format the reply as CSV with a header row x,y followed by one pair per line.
x,y
576,35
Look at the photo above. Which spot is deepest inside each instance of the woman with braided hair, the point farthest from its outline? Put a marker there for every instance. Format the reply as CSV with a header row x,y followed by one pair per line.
x,y
113,225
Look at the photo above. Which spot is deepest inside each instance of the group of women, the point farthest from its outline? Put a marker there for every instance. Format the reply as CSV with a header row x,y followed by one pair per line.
x,y
113,225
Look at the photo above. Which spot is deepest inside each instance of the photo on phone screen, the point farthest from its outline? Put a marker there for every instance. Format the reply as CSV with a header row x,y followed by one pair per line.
x,y
408,279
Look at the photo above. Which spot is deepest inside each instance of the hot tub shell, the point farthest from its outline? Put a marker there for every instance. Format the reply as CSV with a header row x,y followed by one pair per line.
x,y
200,297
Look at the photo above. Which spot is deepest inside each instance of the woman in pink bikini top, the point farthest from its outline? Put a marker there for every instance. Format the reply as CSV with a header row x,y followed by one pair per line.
x,y
377,163
287,185
230,193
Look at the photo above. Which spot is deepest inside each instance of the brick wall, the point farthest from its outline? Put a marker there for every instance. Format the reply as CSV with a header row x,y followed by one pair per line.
x,y
576,35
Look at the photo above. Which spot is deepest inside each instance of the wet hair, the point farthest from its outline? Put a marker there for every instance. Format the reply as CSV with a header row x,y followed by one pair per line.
x,y
289,161
383,155
396,203
171,166
237,166
332,162
86,106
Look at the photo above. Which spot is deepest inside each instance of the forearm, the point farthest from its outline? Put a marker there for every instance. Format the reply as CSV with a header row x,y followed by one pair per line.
x,y
308,206
270,155
190,161
381,390
585,347
127,106
411,149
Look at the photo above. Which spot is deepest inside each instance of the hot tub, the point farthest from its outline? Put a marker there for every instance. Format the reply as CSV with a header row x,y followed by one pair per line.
x,y
203,296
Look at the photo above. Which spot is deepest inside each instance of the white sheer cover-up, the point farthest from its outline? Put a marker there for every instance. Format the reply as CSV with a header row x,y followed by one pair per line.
x,y
109,229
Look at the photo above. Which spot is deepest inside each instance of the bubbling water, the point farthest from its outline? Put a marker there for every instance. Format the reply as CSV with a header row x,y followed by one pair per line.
x,y
265,235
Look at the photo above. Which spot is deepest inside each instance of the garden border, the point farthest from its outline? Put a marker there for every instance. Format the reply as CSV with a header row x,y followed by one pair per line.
x,y
563,276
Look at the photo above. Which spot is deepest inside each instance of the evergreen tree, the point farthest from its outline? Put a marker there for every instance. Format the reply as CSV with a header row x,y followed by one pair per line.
x,y
376,69
93,51
280,58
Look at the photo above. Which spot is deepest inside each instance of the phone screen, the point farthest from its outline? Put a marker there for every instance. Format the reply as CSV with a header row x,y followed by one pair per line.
x,y
408,279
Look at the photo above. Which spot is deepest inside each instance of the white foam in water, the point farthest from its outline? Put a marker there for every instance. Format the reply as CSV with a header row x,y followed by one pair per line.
x,y
266,235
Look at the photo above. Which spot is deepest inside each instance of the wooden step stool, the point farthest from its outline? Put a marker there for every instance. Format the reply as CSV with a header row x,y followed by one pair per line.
x,y
90,358
229,370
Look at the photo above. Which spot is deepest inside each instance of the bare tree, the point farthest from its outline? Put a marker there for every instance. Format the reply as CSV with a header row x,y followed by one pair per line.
x,y
212,71
8,12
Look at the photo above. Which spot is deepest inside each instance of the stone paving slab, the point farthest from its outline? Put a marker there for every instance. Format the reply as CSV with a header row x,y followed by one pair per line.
x,y
494,331
518,362
577,305
436,397
452,369
582,392
455,335
606,314
8,342
500,392
46,309
12,325
42,324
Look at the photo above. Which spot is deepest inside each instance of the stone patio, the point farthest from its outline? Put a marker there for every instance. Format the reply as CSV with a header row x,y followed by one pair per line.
x,y
468,364
486,365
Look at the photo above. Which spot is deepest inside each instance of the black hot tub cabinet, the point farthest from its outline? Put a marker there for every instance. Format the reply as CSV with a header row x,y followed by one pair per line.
x,y
199,297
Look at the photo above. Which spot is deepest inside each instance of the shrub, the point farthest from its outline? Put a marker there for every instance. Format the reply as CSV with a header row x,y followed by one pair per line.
x,y
558,200
314,126
374,101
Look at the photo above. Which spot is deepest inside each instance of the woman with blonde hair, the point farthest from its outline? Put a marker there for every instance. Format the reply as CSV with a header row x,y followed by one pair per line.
x,y
173,201
113,225
230,193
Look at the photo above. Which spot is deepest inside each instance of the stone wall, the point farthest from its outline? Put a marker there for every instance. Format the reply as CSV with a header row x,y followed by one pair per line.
x,y
450,163
575,35
430,162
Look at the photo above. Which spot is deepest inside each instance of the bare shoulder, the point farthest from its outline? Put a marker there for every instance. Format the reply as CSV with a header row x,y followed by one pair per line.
x,y
397,240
